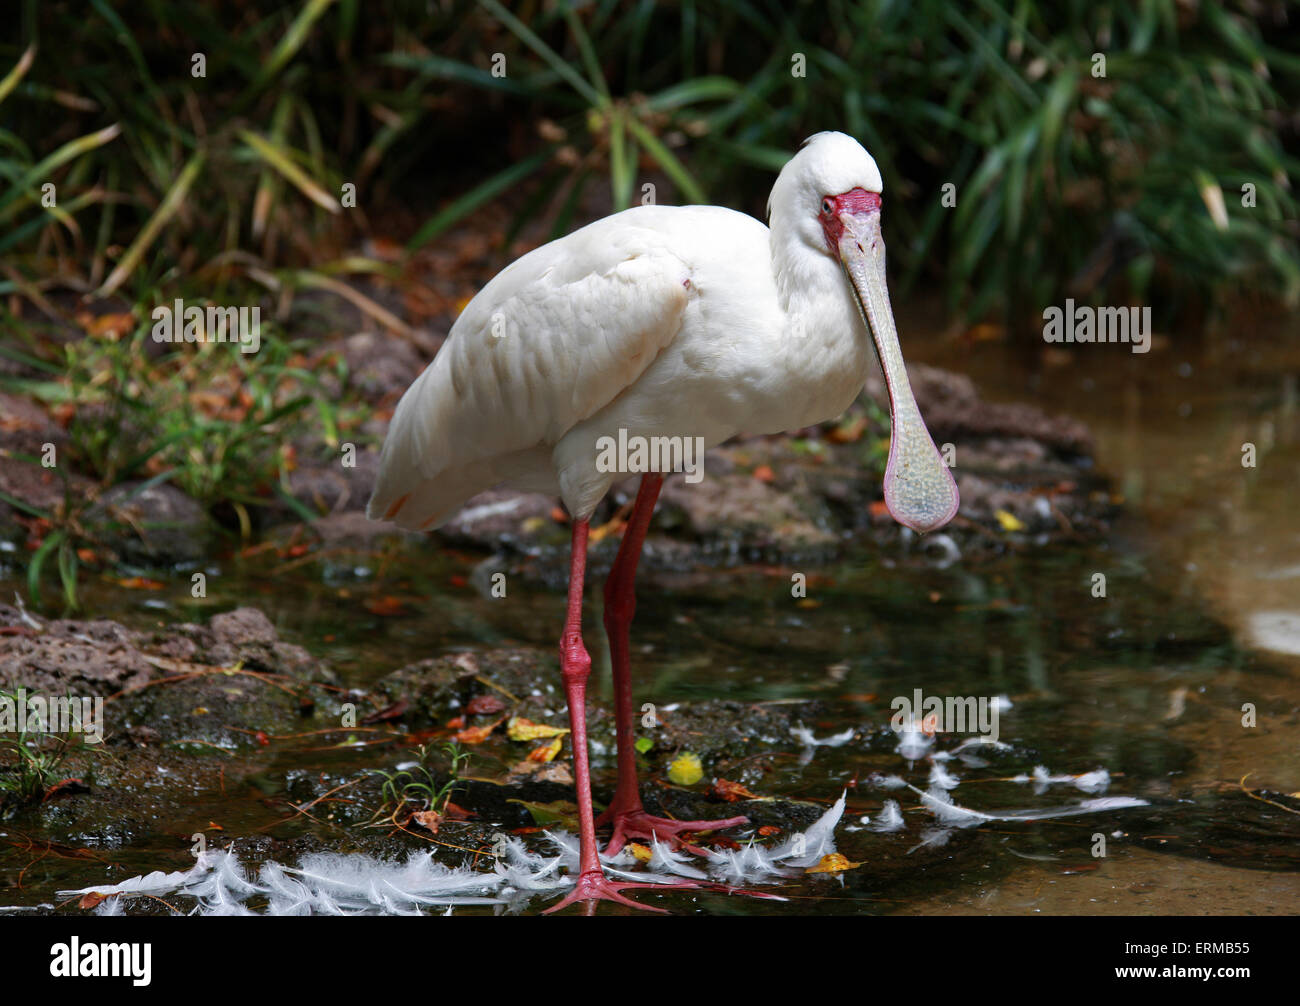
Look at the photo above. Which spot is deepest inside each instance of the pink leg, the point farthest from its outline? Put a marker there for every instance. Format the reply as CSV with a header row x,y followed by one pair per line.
x,y
626,813
575,667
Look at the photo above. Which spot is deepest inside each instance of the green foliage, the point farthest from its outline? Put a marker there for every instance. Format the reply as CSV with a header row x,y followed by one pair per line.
x,y
1065,181
29,764
417,786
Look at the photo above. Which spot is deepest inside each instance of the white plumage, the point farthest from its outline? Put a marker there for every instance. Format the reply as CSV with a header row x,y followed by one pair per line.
x,y
692,321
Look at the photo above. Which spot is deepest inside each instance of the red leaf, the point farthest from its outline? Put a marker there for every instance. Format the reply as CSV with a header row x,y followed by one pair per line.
x,y
484,705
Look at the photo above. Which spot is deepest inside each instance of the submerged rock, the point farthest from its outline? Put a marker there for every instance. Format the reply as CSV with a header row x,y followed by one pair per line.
x,y
158,524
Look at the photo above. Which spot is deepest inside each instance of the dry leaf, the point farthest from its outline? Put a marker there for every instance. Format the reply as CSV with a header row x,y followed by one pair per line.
x,y
546,752
429,819
520,729
386,606
484,705
477,735
730,791
832,863
1008,521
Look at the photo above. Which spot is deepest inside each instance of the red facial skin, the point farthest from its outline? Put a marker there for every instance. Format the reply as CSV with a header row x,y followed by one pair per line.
x,y
855,201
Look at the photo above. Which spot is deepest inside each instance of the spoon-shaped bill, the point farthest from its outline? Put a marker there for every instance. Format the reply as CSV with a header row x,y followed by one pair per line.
x,y
919,489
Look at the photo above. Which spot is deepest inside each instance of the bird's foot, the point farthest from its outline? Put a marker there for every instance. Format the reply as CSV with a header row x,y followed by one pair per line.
x,y
638,824
595,886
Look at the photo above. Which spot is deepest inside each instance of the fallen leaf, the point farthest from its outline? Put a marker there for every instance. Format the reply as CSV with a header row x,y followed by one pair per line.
x,y
764,473
1008,521
563,812
768,830
546,752
477,735
140,583
386,606
110,326
484,705
686,769
730,791
453,812
641,852
66,786
91,900
430,819
520,729
643,744
832,862
389,712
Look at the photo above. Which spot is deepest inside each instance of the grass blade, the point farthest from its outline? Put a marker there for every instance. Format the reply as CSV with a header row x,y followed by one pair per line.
x,y
283,163
18,72
166,210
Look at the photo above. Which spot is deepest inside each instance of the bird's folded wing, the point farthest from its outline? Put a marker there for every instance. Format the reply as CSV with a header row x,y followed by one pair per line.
x,y
548,343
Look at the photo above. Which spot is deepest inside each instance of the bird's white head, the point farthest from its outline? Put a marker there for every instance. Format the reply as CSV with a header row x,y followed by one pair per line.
x,y
827,200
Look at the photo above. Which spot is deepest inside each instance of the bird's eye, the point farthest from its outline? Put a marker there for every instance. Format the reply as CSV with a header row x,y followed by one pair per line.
x,y
827,207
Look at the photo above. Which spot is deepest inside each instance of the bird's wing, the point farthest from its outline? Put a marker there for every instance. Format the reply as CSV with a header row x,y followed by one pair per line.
x,y
547,343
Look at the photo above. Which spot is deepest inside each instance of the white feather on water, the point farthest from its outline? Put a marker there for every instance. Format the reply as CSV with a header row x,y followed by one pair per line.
x,y
336,884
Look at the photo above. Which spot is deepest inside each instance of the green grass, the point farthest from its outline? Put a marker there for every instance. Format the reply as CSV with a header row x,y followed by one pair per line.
x,y
417,787
30,764
1064,181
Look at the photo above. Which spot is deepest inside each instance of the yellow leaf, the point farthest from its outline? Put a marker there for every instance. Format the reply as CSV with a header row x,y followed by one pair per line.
x,y
1008,521
546,752
833,863
642,853
686,769
520,729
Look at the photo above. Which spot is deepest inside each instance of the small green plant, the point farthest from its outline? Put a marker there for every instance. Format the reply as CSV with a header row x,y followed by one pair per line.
x,y
416,787
29,765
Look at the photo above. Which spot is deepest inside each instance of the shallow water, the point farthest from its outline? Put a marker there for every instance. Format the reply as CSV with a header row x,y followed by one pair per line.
x,y
1201,616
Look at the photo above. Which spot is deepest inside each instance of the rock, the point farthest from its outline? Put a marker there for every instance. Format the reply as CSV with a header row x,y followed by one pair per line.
x,y
161,524
954,411
440,687
331,488
381,364
245,636
103,657
505,517
352,528
81,658
243,625
731,506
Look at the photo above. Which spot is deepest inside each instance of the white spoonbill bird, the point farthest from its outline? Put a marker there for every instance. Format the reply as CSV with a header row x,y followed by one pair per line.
x,y
660,322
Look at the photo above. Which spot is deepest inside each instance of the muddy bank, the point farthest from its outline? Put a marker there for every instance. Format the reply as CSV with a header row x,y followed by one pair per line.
x,y
195,714
1026,479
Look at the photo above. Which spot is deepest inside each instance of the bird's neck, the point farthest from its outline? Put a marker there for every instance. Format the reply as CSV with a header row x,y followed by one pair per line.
x,y
815,297
824,346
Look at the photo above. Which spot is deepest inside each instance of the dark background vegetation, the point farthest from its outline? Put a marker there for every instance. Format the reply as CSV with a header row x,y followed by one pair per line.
x,y
1065,181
